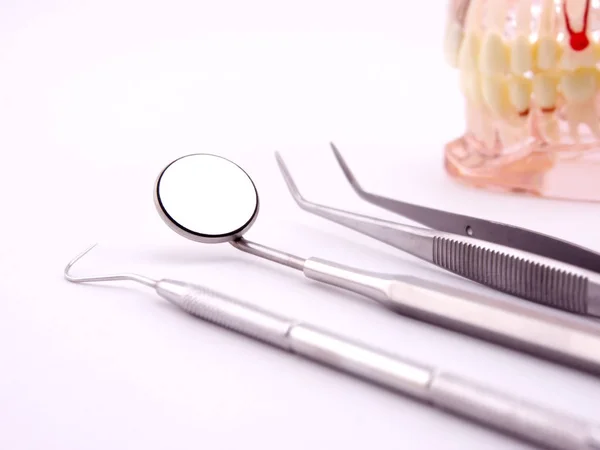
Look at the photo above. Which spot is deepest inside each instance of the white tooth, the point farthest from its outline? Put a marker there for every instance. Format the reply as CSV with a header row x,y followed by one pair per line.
x,y
495,94
468,55
469,52
545,86
544,91
547,49
494,60
519,91
471,87
494,54
578,86
494,57
521,49
452,42
572,60
521,55
547,53
454,33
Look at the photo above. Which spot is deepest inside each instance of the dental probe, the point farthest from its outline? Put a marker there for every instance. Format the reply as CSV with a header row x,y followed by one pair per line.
x,y
452,393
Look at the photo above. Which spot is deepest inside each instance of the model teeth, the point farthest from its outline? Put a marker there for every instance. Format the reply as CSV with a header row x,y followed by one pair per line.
x,y
494,62
453,41
520,94
521,55
547,53
495,95
546,49
578,86
494,54
471,86
468,56
469,53
537,71
545,91
521,49
454,34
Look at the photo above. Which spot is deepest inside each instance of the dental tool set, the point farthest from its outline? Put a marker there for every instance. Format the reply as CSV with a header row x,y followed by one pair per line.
x,y
207,198
462,397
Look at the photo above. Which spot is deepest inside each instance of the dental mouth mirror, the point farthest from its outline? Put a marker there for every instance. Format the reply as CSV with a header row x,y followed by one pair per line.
x,y
453,394
207,198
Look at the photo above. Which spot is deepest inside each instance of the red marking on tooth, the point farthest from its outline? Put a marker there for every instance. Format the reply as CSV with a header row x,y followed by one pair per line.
x,y
578,39
524,113
549,110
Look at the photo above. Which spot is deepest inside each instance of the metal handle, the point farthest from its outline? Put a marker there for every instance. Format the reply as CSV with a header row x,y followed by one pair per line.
x,y
539,331
545,333
228,312
404,376
461,397
454,394
518,417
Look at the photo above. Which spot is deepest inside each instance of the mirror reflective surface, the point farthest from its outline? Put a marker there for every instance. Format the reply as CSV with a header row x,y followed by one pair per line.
x,y
206,198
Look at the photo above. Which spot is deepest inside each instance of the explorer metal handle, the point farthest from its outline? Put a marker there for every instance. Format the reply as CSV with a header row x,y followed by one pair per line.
x,y
456,395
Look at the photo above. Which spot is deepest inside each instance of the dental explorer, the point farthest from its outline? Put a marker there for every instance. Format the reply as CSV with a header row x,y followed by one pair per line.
x,y
512,260
207,198
448,392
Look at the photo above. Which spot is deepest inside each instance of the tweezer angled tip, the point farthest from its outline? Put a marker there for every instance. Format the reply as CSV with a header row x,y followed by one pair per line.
x,y
346,170
289,181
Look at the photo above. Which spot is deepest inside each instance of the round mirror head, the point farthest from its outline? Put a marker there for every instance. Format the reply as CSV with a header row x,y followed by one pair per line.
x,y
206,198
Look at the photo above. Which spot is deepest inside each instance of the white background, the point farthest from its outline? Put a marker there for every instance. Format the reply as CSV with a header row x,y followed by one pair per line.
x,y
96,97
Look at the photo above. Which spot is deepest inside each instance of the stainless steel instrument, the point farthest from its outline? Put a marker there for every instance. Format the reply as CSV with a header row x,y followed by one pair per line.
x,y
207,198
452,393
533,266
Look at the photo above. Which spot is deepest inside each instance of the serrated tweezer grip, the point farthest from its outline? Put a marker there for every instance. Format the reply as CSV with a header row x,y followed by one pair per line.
x,y
523,277
491,260
526,275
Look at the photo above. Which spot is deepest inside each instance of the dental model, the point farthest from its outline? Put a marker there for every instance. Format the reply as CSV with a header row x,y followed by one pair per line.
x,y
530,75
